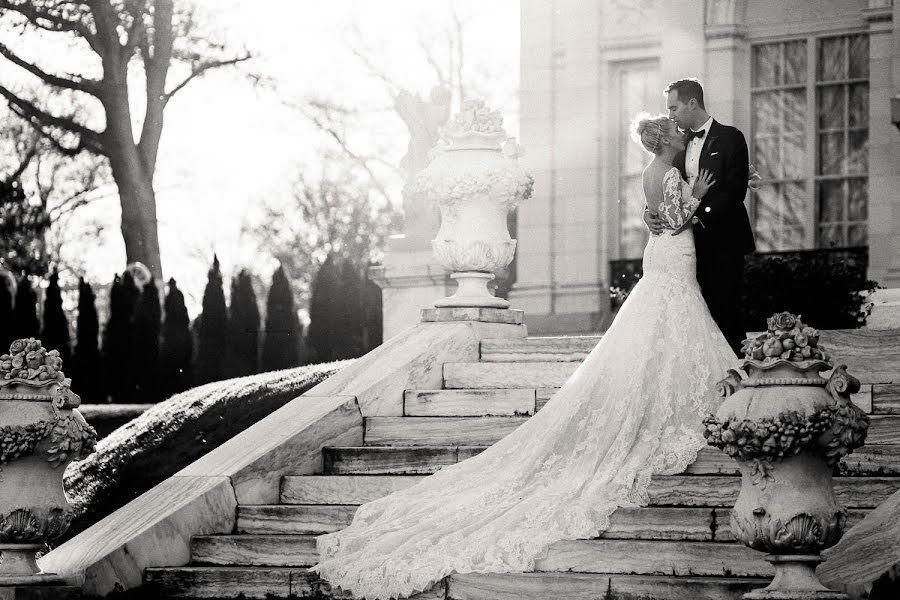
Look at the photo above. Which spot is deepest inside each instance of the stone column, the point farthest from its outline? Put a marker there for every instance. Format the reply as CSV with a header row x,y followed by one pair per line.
x,y
727,64
561,269
884,148
410,277
682,52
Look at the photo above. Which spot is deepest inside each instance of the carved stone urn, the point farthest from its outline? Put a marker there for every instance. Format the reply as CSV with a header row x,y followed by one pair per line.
x,y
787,427
40,433
475,178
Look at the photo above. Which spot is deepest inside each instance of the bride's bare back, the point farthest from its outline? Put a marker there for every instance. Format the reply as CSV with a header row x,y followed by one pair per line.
x,y
652,181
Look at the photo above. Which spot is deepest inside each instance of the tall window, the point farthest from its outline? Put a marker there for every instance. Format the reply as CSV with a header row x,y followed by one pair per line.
x,y
810,118
639,90
842,108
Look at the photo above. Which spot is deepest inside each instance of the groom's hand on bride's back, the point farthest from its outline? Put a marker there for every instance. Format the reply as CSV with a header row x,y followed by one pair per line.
x,y
653,222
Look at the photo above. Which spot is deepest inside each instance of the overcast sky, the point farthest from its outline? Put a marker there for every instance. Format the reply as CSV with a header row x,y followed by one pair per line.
x,y
227,145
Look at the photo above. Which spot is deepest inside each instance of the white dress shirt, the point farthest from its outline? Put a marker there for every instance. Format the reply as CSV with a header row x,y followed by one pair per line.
x,y
692,152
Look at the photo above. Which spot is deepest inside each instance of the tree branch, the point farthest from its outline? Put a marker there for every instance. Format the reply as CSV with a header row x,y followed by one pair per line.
x,y
156,68
23,163
88,138
458,25
135,33
431,59
50,22
393,87
362,161
202,68
88,86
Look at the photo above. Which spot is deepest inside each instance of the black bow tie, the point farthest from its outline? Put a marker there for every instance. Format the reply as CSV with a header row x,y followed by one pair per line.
x,y
695,134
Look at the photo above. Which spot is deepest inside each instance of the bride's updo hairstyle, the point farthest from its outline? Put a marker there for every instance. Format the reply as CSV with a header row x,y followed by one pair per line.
x,y
648,131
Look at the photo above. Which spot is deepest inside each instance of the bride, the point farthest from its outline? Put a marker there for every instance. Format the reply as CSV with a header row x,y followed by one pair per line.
x,y
633,409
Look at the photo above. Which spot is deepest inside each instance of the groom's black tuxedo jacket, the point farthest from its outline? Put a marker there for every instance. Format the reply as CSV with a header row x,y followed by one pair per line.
x,y
725,223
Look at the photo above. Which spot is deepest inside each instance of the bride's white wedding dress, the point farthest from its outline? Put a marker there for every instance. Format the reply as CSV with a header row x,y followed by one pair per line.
x,y
633,409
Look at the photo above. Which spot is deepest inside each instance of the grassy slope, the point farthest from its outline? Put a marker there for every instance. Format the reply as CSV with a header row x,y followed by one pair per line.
x,y
172,434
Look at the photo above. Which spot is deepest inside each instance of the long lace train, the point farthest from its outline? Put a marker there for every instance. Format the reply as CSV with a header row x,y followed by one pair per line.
x,y
631,410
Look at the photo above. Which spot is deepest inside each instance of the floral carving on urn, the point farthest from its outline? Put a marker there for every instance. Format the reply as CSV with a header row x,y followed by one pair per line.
x,y
788,428
40,433
475,179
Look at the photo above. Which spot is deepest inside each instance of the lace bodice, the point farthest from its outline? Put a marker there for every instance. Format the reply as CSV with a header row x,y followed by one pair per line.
x,y
677,204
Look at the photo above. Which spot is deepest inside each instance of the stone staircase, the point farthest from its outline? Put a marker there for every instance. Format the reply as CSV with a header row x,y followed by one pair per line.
x,y
678,547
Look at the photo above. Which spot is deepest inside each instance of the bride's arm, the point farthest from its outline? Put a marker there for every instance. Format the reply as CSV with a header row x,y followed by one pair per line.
x,y
681,208
676,209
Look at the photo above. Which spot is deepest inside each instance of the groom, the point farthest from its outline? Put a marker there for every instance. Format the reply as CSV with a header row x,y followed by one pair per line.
x,y
722,232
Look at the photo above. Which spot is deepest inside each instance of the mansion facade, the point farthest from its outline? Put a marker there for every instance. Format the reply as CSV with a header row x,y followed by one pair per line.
x,y
811,83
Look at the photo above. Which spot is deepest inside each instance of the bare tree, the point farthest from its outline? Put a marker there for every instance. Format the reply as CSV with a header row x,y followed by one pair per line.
x,y
54,184
337,213
349,205
159,38
443,50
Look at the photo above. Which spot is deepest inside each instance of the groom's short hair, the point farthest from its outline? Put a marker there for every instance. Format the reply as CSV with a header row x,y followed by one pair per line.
x,y
687,89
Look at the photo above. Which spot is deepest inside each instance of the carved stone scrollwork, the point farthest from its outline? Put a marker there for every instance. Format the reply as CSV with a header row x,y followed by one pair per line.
x,y
22,526
476,255
635,14
803,533
730,384
841,384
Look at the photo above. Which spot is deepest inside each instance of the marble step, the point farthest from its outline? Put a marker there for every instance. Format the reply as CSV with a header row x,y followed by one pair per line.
x,y
883,429
873,356
297,519
545,376
672,490
880,398
479,431
342,489
872,460
231,582
240,583
466,403
538,349
254,550
886,399
392,460
594,586
261,583
640,557
868,460
507,374
438,431
650,523
722,490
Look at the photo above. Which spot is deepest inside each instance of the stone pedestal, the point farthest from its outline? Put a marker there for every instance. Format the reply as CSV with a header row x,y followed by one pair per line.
x,y
480,314
885,310
409,280
49,591
795,579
